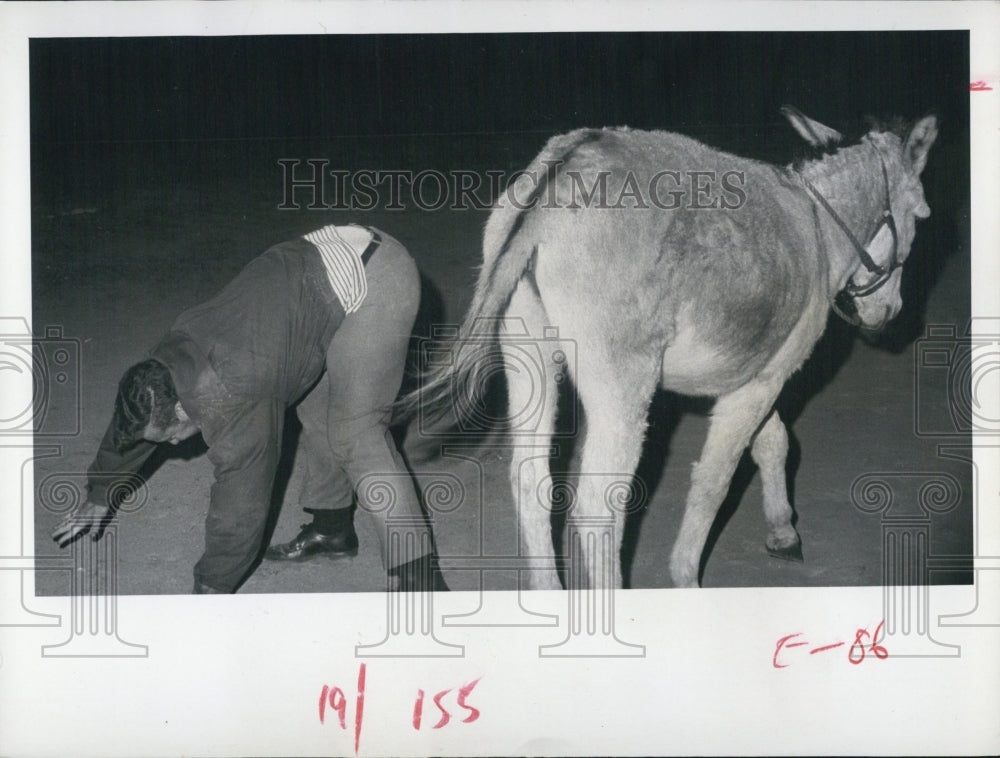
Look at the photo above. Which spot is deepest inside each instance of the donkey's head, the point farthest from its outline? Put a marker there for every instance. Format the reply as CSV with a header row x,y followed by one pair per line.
x,y
880,223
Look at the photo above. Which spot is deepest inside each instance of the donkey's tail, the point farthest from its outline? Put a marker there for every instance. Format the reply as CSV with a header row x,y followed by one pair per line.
x,y
506,257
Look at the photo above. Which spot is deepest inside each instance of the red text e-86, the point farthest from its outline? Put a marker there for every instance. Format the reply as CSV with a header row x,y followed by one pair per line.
x,y
864,643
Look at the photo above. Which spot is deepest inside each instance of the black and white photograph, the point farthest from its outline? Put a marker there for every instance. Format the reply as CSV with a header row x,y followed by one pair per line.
x,y
477,362
693,237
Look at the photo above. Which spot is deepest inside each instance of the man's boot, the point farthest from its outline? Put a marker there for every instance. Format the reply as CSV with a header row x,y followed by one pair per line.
x,y
331,534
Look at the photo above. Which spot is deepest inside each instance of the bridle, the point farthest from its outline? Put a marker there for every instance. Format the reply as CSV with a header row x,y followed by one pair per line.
x,y
881,273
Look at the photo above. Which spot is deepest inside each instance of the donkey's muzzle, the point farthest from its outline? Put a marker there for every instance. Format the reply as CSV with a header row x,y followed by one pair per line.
x,y
872,331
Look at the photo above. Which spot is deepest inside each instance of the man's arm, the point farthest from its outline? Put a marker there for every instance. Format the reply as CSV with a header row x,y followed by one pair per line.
x,y
111,477
112,474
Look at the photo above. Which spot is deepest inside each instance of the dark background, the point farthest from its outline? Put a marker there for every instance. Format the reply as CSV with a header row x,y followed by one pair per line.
x,y
113,114
155,178
730,84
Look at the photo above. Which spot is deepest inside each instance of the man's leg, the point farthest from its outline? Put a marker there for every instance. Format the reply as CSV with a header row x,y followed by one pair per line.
x,y
326,494
245,455
365,363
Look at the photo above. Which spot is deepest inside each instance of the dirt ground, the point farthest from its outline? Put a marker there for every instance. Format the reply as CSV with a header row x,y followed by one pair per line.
x,y
127,236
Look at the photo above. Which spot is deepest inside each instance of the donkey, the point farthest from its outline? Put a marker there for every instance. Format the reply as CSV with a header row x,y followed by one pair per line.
x,y
719,286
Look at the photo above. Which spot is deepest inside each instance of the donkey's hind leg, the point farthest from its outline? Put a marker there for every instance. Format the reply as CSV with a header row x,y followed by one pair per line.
x,y
735,418
770,452
615,391
531,418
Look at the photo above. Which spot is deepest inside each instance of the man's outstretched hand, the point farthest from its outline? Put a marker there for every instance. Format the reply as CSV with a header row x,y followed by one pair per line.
x,y
88,517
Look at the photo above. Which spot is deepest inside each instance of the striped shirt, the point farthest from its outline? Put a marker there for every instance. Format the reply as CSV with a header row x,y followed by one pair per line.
x,y
343,265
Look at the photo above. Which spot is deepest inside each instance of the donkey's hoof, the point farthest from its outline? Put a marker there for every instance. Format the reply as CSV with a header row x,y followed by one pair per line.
x,y
791,552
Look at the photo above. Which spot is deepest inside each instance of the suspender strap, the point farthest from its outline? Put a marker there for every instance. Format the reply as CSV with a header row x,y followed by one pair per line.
x,y
372,246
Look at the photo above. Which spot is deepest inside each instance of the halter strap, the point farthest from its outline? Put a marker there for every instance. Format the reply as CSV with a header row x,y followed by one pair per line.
x,y
866,260
882,273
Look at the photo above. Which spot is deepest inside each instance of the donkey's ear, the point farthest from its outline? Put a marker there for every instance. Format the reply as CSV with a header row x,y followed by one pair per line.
x,y
918,143
811,131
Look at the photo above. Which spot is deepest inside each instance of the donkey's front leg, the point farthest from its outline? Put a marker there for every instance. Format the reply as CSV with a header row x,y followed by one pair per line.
x,y
734,420
770,453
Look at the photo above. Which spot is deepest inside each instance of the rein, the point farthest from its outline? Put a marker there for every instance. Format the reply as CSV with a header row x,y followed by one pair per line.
x,y
881,273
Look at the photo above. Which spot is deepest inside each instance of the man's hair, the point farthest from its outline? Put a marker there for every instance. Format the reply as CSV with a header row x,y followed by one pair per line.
x,y
146,393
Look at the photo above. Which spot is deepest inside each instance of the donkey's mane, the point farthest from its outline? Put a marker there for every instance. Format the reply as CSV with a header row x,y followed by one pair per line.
x,y
852,178
896,125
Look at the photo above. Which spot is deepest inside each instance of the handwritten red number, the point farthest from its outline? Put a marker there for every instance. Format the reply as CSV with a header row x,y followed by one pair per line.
x,y
418,709
859,645
445,716
879,650
463,693
322,702
335,699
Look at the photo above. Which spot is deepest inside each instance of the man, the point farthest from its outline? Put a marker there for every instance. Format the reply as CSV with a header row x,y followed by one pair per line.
x,y
340,298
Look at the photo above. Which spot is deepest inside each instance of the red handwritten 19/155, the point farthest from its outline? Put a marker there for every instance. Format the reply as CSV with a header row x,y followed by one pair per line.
x,y
855,654
334,699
